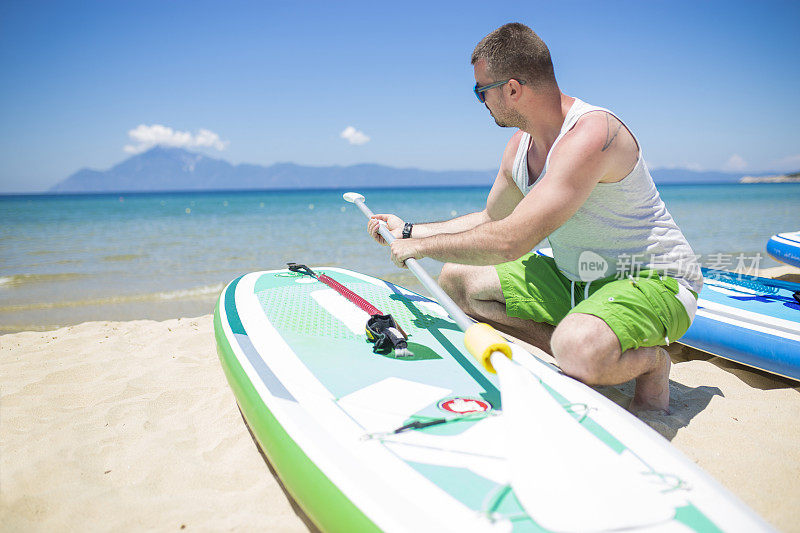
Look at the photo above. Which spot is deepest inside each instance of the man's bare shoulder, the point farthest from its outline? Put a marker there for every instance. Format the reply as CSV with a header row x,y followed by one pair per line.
x,y
510,153
602,137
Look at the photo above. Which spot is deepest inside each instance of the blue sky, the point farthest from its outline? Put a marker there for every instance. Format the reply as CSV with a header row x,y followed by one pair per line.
x,y
707,85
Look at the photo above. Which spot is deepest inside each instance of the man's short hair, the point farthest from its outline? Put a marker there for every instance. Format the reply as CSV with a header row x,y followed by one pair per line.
x,y
515,51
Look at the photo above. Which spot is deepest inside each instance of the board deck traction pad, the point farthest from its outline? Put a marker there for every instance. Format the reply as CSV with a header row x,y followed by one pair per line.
x,y
343,361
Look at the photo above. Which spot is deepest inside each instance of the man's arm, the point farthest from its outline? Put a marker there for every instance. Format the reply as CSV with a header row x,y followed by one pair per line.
x,y
502,199
454,225
578,163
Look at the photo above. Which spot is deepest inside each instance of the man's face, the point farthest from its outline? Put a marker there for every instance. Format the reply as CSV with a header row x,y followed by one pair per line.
x,y
495,100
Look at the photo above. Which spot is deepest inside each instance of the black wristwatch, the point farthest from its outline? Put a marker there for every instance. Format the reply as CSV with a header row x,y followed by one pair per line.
x,y
407,230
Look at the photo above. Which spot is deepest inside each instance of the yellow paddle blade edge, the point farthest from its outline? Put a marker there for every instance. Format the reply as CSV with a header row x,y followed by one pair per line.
x,y
482,340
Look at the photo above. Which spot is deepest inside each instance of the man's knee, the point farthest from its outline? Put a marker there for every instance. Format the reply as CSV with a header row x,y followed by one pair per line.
x,y
583,348
451,280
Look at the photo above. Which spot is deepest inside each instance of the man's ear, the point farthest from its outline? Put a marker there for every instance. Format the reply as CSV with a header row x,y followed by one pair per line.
x,y
514,89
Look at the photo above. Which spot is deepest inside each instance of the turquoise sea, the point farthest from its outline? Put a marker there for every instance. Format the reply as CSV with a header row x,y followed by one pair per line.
x,y
69,259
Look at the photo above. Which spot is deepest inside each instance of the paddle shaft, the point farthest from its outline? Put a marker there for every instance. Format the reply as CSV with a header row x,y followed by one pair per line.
x,y
463,321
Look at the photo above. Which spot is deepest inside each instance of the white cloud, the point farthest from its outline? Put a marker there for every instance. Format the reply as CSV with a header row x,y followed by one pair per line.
x,y
354,136
735,162
146,137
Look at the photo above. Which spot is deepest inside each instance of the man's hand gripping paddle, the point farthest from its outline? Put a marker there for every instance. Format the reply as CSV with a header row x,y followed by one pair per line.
x,y
381,329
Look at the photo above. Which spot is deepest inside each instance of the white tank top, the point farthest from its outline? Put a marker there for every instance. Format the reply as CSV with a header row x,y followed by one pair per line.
x,y
621,228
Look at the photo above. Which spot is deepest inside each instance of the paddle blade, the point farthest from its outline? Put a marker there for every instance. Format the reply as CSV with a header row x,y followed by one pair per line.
x,y
564,476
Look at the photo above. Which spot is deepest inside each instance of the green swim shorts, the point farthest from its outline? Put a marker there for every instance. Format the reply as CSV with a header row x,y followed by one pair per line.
x,y
641,311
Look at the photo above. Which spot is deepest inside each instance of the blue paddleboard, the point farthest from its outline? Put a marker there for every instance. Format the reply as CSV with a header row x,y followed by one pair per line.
x,y
785,247
751,320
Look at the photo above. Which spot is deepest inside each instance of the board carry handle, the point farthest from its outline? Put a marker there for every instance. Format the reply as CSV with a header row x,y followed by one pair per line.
x,y
480,339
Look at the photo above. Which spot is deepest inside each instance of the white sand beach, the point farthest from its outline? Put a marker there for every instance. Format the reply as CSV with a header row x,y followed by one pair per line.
x,y
132,425
128,426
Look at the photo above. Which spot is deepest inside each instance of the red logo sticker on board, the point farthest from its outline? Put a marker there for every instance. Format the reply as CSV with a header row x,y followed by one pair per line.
x,y
463,405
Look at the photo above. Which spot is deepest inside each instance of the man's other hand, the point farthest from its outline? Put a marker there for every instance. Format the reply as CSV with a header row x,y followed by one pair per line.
x,y
402,249
394,223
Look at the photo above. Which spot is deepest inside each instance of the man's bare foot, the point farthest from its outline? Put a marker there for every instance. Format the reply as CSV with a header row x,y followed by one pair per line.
x,y
652,388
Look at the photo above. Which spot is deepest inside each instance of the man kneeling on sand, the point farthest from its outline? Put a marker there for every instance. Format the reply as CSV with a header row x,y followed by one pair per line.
x,y
623,280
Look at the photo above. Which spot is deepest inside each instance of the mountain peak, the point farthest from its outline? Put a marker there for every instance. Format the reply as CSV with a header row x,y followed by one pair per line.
x,y
168,150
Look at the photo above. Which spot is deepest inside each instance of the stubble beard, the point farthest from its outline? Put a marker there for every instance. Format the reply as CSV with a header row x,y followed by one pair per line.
x,y
513,120
500,123
510,119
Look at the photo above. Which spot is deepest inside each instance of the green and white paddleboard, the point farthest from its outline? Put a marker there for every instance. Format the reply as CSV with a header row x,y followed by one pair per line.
x,y
328,414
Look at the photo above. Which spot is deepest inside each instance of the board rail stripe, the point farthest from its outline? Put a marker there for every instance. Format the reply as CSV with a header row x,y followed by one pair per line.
x,y
319,497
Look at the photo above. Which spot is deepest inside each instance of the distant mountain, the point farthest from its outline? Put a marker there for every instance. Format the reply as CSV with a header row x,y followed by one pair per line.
x,y
175,169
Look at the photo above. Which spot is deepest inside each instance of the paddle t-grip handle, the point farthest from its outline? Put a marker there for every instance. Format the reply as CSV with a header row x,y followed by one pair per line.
x,y
358,200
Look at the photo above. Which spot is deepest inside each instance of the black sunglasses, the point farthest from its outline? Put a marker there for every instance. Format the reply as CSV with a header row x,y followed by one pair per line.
x,y
480,90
